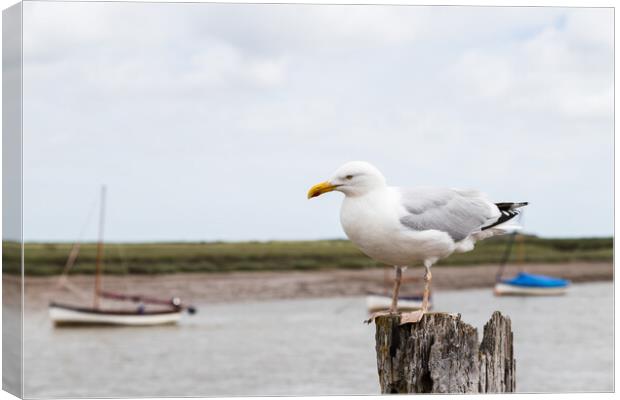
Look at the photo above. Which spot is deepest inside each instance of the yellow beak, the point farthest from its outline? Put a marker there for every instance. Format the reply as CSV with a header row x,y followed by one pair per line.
x,y
320,188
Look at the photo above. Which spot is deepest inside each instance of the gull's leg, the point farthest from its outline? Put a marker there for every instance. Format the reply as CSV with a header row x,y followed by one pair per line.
x,y
397,282
427,283
416,316
394,305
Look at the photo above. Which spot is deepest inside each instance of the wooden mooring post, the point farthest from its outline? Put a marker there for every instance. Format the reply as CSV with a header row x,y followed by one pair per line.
x,y
441,354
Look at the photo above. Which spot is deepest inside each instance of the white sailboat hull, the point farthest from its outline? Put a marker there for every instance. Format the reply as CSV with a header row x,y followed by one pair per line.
x,y
73,316
376,303
503,289
65,314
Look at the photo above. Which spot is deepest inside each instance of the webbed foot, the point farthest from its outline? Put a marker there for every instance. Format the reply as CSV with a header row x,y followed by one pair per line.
x,y
374,315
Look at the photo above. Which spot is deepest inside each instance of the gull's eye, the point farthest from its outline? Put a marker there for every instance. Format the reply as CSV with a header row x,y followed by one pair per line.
x,y
349,177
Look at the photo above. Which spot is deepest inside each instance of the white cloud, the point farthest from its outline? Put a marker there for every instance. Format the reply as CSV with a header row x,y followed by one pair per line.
x,y
553,71
215,118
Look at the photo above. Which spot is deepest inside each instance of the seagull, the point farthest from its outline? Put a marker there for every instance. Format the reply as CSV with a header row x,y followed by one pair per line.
x,y
406,226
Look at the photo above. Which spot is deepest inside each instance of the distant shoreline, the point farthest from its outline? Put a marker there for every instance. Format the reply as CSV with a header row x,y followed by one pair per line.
x,y
252,286
48,259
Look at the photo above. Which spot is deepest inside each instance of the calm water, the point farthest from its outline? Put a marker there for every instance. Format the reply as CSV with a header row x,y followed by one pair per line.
x,y
308,347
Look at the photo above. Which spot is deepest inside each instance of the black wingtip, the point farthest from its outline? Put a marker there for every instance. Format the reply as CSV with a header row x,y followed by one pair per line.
x,y
508,212
511,206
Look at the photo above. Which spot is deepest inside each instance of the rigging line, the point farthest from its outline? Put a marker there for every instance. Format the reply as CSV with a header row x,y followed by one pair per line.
x,y
521,249
506,256
72,288
100,255
89,217
75,248
508,250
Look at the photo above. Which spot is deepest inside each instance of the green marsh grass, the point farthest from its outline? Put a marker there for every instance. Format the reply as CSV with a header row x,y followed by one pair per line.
x,y
155,258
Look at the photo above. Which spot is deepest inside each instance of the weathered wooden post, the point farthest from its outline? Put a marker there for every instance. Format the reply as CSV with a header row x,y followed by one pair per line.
x,y
441,354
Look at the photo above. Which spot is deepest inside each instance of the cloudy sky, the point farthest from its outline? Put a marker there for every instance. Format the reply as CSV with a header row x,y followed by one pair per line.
x,y
210,121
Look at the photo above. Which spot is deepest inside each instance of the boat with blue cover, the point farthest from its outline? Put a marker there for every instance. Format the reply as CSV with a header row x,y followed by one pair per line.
x,y
524,283
530,284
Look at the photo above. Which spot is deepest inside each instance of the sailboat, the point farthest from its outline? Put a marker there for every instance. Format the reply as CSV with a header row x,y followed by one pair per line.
x,y
524,283
169,311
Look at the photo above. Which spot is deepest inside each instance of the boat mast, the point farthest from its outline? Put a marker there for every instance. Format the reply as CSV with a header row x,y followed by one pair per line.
x,y
99,251
521,257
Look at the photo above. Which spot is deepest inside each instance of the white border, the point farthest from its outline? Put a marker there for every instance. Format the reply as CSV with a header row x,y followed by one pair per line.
x,y
531,3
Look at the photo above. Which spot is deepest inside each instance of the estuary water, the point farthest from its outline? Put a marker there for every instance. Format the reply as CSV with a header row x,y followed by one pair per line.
x,y
308,347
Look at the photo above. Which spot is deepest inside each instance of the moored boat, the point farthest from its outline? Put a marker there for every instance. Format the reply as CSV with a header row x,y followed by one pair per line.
x,y
148,310
64,314
526,284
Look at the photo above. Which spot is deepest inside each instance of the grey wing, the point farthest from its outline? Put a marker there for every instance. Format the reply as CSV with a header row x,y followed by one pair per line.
x,y
456,212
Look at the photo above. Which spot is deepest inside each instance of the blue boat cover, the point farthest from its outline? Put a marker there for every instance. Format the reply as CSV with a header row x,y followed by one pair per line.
x,y
531,280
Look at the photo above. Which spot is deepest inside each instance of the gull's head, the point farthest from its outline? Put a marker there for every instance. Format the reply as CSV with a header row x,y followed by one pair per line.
x,y
354,178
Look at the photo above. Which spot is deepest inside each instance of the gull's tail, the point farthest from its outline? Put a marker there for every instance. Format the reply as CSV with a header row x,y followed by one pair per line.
x,y
508,212
501,226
